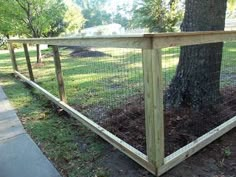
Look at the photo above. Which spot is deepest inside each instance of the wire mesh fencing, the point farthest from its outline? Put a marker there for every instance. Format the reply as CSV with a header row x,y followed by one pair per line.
x,y
106,85
199,91
108,88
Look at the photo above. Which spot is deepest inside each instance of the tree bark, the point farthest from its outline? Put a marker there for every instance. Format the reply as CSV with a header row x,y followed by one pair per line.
x,y
196,83
38,50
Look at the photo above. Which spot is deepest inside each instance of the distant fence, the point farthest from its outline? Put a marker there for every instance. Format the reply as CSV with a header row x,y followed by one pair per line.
x,y
160,53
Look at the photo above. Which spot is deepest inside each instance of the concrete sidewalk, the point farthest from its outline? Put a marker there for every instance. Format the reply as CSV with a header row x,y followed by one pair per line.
x,y
19,155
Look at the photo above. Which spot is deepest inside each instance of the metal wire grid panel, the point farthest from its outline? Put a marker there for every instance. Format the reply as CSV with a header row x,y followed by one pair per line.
x,y
199,91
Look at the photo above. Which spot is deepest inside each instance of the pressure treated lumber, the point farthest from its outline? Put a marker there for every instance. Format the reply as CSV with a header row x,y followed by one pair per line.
x,y
27,57
127,149
59,75
193,147
98,42
154,120
142,41
13,57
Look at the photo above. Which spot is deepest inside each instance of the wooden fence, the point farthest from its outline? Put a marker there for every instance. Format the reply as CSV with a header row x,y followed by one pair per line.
x,y
151,45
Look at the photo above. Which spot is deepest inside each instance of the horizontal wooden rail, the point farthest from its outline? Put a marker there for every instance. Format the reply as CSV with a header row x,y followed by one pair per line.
x,y
127,149
192,38
142,41
190,149
99,42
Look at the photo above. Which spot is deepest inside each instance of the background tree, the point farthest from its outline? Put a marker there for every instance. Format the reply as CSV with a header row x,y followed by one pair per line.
x,y
197,80
94,13
231,6
122,16
120,19
157,15
73,18
33,18
5,28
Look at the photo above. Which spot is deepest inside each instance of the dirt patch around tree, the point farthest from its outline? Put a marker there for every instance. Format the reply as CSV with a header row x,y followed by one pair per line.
x,y
182,126
216,160
84,52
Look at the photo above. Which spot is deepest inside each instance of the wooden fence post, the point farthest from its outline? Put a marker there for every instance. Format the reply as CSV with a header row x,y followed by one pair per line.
x,y
59,74
154,115
27,57
13,57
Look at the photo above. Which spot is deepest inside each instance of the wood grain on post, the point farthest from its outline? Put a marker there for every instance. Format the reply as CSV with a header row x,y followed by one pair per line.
x,y
59,74
27,57
154,116
13,57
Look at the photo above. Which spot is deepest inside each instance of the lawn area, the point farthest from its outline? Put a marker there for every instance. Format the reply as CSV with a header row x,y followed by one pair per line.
x,y
73,149
94,86
106,81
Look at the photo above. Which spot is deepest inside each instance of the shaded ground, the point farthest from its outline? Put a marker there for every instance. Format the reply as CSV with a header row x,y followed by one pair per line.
x,y
216,160
182,126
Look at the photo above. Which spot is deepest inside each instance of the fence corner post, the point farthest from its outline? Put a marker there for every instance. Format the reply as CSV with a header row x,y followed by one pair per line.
x,y
59,75
154,113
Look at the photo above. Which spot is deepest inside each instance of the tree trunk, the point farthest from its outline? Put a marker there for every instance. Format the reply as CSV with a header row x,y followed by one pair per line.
x,y
39,56
38,50
196,83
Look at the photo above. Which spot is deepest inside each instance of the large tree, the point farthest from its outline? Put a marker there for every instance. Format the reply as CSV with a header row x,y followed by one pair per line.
x,y
196,83
156,15
94,13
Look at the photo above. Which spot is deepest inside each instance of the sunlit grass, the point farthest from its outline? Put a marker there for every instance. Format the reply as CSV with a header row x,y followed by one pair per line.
x,y
62,139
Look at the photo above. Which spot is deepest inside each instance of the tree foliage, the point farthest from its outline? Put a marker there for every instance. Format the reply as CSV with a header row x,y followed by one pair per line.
x,y
95,17
157,15
122,15
90,4
94,13
74,18
231,7
33,18
36,18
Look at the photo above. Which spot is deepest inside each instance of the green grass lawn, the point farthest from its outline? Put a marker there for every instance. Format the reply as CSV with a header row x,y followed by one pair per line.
x,y
106,81
62,139
94,85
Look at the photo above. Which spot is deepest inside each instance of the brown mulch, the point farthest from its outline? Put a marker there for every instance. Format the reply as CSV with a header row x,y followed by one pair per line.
x,y
85,52
182,126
